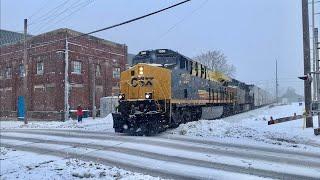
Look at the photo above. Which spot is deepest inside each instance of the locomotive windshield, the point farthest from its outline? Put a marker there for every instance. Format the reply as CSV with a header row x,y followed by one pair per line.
x,y
160,56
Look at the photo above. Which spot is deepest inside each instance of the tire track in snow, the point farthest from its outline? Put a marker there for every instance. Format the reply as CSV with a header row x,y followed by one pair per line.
x,y
166,169
154,156
196,145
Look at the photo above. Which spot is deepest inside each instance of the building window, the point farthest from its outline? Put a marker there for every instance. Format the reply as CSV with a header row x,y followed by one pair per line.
x,y
182,63
98,71
185,92
39,68
187,65
8,73
116,73
21,70
196,68
76,67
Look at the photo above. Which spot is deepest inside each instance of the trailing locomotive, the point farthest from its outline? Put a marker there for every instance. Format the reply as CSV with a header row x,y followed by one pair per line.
x,y
164,89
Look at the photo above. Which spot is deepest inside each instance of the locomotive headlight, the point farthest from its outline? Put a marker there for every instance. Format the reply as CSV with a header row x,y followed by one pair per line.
x,y
140,70
122,96
148,95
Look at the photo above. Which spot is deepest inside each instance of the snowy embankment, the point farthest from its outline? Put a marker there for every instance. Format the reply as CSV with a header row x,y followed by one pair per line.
x,y
98,124
252,127
27,165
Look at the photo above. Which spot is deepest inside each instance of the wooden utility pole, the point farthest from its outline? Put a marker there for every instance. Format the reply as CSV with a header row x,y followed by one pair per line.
x,y
25,68
314,69
316,55
306,53
93,91
66,81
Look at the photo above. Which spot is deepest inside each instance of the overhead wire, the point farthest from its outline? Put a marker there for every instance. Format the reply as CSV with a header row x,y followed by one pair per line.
x,y
56,15
80,7
55,19
49,13
35,45
135,19
38,10
182,20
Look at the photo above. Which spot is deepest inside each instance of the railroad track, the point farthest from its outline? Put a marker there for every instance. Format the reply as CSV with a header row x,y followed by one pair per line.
x,y
169,157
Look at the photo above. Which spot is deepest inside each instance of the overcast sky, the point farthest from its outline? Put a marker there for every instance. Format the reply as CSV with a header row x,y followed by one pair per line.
x,y
252,33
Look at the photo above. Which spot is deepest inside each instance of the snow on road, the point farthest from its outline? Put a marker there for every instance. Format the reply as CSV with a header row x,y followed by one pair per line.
x,y
242,145
251,127
171,158
29,166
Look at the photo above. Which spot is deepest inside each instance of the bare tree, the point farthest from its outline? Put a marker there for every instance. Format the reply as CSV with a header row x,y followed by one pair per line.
x,y
216,61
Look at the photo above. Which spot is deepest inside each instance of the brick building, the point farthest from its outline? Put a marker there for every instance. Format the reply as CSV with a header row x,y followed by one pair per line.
x,y
90,59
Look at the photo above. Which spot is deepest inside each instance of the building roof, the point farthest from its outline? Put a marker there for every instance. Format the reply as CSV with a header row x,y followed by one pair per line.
x,y
74,33
10,37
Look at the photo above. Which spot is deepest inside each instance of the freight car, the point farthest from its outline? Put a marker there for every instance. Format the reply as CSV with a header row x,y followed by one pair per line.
x,y
164,89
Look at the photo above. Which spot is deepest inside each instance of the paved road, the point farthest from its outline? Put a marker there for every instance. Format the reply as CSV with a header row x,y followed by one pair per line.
x,y
175,157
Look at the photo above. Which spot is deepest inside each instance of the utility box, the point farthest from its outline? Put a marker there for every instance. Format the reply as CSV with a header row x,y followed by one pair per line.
x,y
108,105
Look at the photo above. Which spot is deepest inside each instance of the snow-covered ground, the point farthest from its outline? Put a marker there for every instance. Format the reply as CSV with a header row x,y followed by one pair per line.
x,y
248,127
240,141
98,124
252,127
30,166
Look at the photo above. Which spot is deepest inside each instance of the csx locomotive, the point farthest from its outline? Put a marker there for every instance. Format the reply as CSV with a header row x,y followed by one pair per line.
x,y
164,89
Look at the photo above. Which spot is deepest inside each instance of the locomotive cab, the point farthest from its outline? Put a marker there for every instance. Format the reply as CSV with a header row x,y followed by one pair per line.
x,y
144,99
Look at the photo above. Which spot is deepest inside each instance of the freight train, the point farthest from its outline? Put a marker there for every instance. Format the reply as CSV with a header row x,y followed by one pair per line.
x,y
164,88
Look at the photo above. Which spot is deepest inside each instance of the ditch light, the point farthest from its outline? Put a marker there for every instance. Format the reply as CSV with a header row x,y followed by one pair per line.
x,y
148,95
122,96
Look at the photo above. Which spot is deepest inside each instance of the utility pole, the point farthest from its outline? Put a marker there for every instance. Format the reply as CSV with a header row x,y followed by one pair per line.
x,y
93,91
277,84
316,35
66,81
25,67
314,49
306,53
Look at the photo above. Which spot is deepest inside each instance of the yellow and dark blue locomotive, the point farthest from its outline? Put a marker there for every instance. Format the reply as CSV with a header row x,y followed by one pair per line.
x,y
164,89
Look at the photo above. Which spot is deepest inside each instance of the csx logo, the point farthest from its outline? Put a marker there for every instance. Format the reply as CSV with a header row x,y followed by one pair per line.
x,y
141,81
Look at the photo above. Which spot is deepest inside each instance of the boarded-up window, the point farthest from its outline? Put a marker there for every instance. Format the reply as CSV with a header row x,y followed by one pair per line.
x,y
6,99
50,94
39,98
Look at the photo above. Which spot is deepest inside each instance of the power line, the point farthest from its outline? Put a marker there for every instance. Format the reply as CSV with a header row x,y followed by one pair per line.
x,y
110,27
55,19
72,12
183,19
54,15
47,15
38,10
135,19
